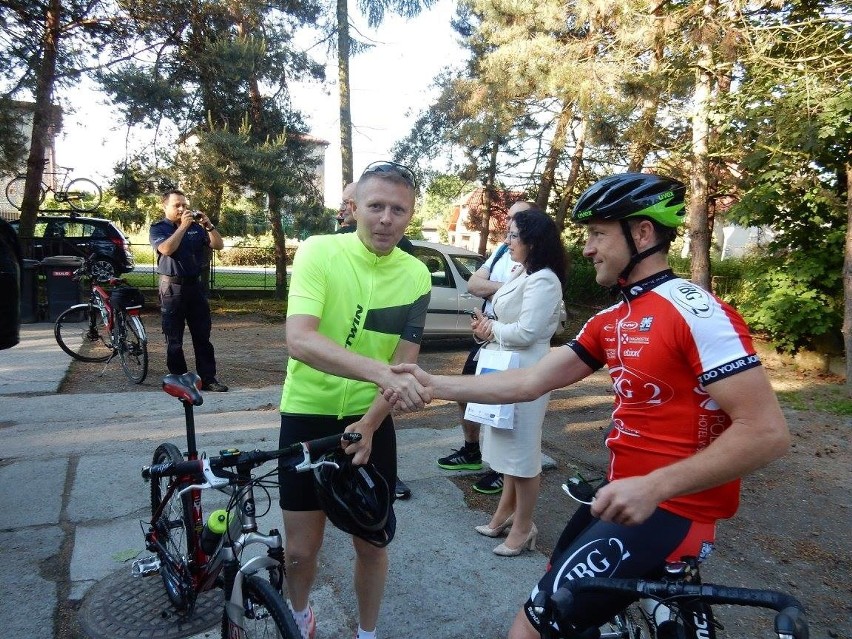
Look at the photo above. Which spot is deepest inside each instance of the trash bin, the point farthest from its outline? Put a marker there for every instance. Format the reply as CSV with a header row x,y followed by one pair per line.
x,y
29,292
63,291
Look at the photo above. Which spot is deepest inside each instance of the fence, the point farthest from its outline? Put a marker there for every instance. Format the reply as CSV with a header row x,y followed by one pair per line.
x,y
254,277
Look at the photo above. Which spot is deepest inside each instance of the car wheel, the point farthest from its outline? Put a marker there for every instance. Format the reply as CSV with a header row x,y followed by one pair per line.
x,y
103,270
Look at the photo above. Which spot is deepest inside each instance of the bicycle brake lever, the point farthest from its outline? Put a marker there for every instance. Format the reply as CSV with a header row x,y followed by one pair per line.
x,y
213,480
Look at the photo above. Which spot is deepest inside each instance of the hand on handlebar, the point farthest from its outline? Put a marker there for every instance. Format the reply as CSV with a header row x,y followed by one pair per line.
x,y
360,450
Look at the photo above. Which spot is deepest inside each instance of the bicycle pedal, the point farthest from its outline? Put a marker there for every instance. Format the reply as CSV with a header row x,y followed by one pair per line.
x,y
146,566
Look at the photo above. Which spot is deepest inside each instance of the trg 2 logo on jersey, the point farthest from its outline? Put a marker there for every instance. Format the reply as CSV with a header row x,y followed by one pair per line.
x,y
695,300
635,388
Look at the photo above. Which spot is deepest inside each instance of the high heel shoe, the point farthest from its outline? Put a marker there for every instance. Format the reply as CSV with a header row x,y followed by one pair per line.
x,y
488,531
505,551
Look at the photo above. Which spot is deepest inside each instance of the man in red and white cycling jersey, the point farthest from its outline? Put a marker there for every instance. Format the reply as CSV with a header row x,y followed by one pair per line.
x,y
694,411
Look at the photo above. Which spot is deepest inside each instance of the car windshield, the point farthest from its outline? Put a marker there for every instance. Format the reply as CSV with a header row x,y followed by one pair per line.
x,y
467,265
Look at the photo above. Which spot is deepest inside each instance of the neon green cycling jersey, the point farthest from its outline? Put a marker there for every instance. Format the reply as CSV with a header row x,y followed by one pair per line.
x,y
365,303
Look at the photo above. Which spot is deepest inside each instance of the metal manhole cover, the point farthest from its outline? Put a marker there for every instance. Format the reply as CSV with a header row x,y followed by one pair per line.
x,y
122,606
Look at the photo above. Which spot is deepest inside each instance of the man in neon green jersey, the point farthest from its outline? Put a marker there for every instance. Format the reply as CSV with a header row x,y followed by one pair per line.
x,y
356,305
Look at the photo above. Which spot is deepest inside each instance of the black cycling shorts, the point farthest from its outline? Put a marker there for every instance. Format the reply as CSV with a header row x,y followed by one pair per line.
x,y
296,490
589,547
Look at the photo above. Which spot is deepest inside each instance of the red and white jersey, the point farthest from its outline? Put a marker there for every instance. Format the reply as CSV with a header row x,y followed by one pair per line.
x,y
663,344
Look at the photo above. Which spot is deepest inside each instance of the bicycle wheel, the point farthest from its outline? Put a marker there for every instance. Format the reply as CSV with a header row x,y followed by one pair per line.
x,y
83,195
80,331
132,347
175,533
15,192
266,613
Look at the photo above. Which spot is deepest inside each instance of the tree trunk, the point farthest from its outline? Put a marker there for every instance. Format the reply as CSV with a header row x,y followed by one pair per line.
x,y
699,226
279,244
573,173
847,282
560,136
42,119
343,48
485,228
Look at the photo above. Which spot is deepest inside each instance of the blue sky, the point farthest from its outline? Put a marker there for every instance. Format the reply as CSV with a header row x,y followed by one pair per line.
x,y
390,85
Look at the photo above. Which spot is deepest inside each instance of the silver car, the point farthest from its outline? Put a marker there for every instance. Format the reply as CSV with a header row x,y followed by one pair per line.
x,y
451,304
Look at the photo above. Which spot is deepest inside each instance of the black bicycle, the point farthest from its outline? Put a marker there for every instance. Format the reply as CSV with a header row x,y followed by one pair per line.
x,y
676,606
193,557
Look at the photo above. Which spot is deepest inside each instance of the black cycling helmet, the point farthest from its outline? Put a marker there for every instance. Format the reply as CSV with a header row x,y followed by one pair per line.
x,y
632,195
356,499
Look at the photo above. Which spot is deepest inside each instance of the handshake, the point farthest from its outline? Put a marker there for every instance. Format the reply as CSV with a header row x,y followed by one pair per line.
x,y
407,387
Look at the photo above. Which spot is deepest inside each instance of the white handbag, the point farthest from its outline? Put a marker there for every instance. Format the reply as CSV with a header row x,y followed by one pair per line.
x,y
495,415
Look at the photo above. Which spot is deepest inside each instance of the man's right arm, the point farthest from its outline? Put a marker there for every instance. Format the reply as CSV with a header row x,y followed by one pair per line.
x,y
560,367
306,344
481,286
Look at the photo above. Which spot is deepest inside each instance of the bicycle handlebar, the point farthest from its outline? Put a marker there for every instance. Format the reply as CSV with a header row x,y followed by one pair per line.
x,y
304,455
790,620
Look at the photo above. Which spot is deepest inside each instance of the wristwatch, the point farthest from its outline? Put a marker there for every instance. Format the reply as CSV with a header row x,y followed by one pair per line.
x,y
209,228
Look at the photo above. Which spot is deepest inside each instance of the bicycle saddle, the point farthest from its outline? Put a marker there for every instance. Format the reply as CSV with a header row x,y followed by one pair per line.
x,y
186,387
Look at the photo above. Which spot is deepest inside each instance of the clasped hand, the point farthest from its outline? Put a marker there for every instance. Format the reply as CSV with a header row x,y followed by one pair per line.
x,y
403,391
422,384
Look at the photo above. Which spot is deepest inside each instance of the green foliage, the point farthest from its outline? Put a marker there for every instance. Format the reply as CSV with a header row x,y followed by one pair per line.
x,y
247,256
793,300
581,287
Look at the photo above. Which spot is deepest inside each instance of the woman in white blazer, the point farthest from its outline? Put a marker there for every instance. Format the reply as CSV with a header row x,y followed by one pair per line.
x,y
526,310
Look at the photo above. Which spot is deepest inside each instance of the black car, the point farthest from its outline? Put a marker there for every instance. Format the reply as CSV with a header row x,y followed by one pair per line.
x,y
79,235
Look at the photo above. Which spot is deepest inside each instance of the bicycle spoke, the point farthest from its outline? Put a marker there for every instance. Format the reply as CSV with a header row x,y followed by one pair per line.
x,y
132,347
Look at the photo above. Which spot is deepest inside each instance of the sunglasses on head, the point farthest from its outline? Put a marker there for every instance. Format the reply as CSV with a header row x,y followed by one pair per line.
x,y
392,167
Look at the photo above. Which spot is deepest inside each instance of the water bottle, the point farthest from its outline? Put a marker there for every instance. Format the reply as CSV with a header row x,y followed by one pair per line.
x,y
217,524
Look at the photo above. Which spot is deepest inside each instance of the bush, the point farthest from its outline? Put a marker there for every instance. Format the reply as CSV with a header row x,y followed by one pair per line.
x,y
247,256
581,287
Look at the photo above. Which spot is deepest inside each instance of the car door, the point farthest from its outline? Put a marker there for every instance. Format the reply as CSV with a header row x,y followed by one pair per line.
x,y
442,316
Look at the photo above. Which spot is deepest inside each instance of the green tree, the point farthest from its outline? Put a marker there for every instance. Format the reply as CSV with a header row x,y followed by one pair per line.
x,y
219,77
790,128
46,45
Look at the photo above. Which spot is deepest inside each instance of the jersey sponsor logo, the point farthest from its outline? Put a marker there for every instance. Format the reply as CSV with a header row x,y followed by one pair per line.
x,y
693,299
645,324
598,558
356,322
635,388
730,368
635,339
631,352
710,426
629,325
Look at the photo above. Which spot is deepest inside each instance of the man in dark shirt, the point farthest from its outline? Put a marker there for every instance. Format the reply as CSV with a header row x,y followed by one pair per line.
x,y
182,241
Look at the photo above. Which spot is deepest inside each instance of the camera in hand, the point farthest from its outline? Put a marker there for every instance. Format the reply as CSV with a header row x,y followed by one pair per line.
x,y
197,216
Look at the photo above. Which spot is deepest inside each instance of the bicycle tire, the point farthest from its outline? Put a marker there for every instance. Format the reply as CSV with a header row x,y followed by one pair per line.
x,y
80,331
132,347
266,613
175,532
15,192
83,195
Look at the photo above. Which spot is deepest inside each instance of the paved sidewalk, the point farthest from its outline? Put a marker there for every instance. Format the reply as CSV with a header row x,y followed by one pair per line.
x,y
72,500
